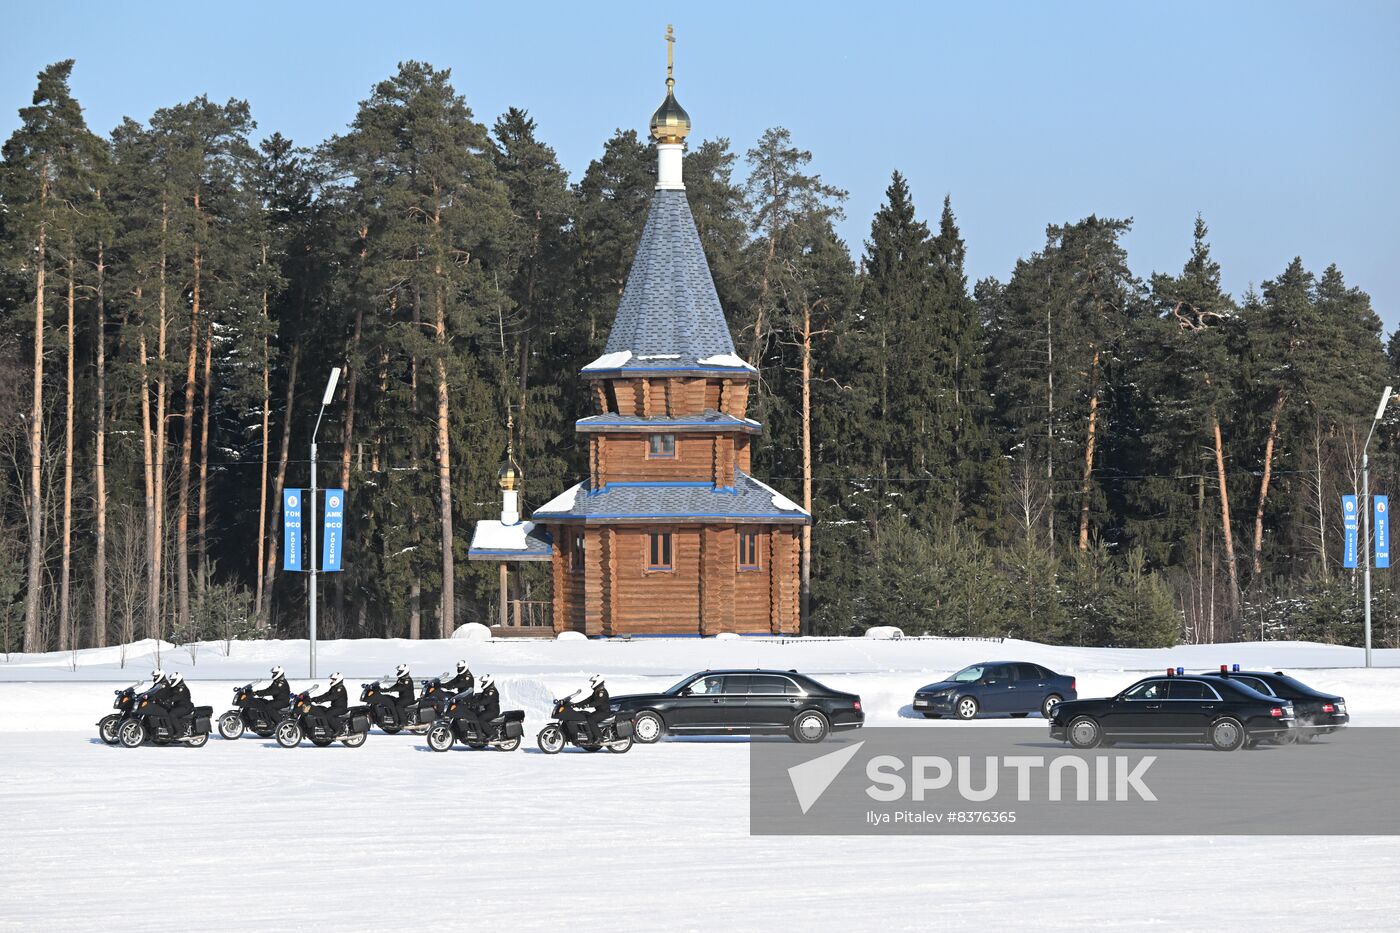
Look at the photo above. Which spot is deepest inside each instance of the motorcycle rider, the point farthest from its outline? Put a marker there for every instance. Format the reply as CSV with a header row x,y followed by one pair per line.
x,y
275,696
338,704
598,706
483,706
157,697
461,681
180,706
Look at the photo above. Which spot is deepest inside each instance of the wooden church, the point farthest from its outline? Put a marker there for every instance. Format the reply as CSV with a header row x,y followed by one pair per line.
x,y
668,534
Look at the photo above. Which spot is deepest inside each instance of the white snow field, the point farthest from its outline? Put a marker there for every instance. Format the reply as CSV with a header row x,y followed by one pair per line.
x,y
245,835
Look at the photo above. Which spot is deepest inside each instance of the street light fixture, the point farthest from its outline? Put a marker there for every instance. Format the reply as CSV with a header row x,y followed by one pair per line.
x,y
311,601
1366,512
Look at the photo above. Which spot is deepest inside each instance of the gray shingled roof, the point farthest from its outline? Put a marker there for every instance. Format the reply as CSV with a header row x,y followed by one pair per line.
x,y
707,420
747,500
670,316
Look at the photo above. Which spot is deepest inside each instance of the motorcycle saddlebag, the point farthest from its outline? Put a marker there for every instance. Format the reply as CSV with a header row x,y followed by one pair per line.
x,y
201,725
513,729
425,715
359,723
624,728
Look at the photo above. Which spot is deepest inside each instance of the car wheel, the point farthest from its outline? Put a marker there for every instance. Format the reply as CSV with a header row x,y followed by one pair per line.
x,y
810,726
968,708
648,727
1227,734
1047,709
1084,732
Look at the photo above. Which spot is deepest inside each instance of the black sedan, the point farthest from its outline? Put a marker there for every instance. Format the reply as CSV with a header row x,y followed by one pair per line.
x,y
743,702
1015,687
1223,713
1315,713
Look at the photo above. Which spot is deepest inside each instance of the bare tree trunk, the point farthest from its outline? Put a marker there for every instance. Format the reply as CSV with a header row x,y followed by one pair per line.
x,y
33,639
148,475
1085,486
449,606
1264,483
347,435
201,526
415,610
182,520
805,604
157,609
266,439
1050,428
99,565
756,355
278,483
1226,532
66,637
1321,512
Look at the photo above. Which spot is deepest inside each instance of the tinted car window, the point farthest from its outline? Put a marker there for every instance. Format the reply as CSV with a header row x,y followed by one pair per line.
x,y
770,684
735,684
1029,672
1190,690
1254,683
998,672
1149,690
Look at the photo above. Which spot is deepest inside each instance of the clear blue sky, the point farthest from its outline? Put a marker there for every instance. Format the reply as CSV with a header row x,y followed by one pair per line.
x,y
1279,121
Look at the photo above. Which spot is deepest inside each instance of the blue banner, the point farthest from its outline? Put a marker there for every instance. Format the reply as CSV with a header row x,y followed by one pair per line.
x,y
1382,515
291,529
1350,517
334,530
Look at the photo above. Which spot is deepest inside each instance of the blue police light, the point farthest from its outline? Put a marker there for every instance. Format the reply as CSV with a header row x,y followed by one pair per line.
x,y
1235,668
1180,671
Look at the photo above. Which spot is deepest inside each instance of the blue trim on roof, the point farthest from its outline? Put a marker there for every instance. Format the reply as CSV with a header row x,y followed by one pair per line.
x,y
617,370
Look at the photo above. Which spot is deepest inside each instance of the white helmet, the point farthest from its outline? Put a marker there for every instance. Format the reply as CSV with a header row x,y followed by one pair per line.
x,y
595,681
277,672
176,679
157,675
487,682
401,671
336,678
462,666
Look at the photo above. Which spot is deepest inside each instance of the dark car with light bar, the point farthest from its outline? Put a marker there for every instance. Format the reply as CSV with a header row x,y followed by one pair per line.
x,y
1015,687
743,702
1225,714
1315,713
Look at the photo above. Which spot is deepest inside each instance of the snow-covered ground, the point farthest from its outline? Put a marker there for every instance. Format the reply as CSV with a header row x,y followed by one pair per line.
x,y
392,835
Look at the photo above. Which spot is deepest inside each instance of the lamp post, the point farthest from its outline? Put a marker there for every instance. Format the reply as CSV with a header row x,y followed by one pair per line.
x,y
1366,513
311,601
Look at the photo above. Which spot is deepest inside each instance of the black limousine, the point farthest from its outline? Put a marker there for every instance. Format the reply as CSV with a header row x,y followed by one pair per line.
x,y
743,702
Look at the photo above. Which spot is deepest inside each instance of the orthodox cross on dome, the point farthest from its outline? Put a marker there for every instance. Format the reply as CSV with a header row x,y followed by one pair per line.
x,y
670,55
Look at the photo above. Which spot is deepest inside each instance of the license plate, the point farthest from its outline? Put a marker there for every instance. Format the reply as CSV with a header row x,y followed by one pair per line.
x,y
921,702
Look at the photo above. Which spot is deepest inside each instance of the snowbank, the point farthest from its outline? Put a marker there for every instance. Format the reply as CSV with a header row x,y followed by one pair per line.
x,y
883,631
472,631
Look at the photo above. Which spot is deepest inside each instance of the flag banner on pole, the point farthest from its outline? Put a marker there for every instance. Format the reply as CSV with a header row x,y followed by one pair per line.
x,y
291,529
333,530
1382,531
1350,518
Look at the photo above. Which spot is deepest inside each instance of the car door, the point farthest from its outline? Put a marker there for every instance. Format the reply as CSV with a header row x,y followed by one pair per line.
x,y
694,704
1031,688
730,709
1191,706
772,701
1138,711
997,689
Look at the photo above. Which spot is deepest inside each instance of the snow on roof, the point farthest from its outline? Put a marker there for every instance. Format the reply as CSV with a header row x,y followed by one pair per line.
x,y
494,536
610,360
726,359
781,501
563,502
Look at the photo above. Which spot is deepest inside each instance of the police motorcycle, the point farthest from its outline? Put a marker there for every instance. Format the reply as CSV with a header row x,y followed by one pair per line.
x,y
388,714
151,722
261,718
460,723
125,705
300,722
570,727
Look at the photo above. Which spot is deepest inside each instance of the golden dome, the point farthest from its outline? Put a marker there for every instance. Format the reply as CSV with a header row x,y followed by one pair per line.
x,y
670,123
509,476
